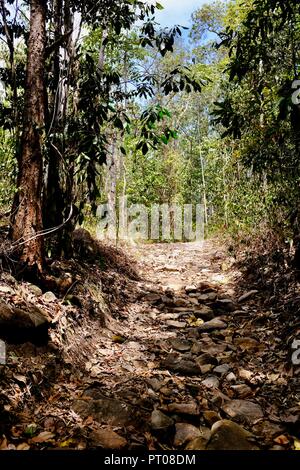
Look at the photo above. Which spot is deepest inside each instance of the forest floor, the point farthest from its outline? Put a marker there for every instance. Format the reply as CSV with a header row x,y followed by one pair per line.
x,y
192,354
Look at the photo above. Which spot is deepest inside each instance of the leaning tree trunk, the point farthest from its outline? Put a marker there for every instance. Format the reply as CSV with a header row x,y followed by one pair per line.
x,y
27,211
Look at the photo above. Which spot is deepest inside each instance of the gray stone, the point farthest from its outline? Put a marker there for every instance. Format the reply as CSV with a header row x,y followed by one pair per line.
x,y
171,268
231,377
180,365
106,410
210,296
247,295
226,305
215,324
185,433
179,302
206,359
205,313
49,297
35,290
227,435
175,324
222,369
180,344
167,300
206,368
32,317
183,310
244,409
211,417
190,289
242,390
170,316
211,382
160,421
152,297
197,444
107,439
210,348
247,344
191,409
155,384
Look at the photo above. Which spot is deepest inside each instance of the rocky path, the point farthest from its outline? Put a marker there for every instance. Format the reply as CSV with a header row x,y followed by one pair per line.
x,y
191,358
195,362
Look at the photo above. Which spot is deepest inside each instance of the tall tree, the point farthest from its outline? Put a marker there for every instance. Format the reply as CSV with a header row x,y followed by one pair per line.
x,y
27,214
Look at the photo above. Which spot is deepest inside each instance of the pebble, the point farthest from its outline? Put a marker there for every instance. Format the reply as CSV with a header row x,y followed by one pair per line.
x,y
215,324
211,382
222,369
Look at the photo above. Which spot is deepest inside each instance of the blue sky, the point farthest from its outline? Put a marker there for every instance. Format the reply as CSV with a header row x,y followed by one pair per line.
x,y
178,11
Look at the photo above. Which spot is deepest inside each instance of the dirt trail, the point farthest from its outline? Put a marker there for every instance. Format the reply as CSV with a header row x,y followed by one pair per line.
x,y
193,354
190,359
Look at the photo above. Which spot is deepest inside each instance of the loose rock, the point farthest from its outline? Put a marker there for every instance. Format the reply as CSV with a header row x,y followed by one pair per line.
x,y
242,390
227,435
184,408
215,324
211,417
108,439
243,408
222,369
181,345
49,297
247,295
211,382
184,433
160,421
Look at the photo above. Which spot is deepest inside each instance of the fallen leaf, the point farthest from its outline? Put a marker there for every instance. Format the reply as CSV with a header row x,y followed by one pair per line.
x,y
118,339
23,446
3,444
66,443
282,440
30,430
297,444
20,378
43,437
193,321
89,420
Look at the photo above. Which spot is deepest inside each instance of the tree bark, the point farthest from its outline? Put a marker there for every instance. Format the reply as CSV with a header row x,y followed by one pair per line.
x,y
27,212
52,197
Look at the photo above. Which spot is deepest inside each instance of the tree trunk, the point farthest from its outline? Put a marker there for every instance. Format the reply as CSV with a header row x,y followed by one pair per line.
x,y
27,213
53,203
